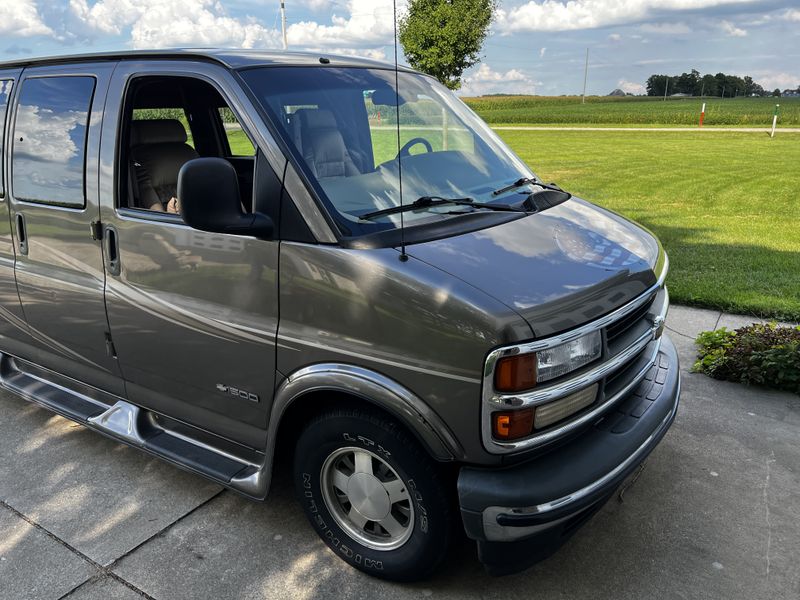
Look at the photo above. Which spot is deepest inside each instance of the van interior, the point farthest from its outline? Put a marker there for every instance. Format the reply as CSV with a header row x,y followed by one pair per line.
x,y
167,122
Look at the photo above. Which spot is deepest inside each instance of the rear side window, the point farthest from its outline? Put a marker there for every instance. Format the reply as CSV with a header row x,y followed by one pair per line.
x,y
49,150
5,93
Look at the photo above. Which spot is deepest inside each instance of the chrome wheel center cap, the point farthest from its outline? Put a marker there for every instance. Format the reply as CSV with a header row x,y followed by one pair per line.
x,y
368,496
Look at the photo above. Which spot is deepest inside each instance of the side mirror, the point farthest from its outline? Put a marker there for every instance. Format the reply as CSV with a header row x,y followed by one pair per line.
x,y
208,189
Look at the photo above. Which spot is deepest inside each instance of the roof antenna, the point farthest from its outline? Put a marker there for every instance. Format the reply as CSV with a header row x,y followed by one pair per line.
x,y
403,255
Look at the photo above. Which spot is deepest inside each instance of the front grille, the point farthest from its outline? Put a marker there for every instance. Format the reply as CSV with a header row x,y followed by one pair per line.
x,y
617,328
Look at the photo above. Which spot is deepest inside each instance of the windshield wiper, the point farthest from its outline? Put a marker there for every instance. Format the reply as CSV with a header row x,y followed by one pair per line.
x,y
429,201
526,181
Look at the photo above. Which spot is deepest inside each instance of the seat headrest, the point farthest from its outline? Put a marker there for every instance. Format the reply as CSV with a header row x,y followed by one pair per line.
x,y
157,131
316,118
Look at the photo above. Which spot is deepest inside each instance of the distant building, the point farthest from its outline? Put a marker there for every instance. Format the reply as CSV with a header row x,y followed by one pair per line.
x,y
617,92
791,93
680,95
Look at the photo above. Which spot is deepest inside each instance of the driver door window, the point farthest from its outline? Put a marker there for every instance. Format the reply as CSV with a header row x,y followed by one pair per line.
x,y
170,121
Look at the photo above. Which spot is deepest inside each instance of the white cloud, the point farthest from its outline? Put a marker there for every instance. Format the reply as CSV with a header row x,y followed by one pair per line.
x,y
792,15
20,18
732,30
770,80
368,23
484,80
555,15
541,52
158,24
614,37
630,88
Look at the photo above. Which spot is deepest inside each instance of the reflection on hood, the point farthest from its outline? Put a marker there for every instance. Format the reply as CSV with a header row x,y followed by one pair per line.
x,y
558,268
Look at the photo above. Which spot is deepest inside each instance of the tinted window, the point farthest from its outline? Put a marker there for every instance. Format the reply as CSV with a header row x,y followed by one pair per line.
x,y
5,92
50,140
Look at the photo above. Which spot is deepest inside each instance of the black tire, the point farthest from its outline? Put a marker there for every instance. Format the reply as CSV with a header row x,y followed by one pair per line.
x,y
426,547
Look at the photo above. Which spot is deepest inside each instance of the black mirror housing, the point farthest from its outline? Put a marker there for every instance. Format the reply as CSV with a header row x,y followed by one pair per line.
x,y
208,189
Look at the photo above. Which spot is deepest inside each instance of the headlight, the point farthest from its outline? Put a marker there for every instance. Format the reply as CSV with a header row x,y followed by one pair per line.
x,y
560,360
524,371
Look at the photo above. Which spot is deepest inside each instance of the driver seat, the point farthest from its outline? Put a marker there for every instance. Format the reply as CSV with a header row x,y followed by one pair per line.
x,y
317,137
158,151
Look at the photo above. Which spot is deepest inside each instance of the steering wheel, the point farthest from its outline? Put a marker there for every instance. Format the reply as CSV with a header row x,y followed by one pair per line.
x,y
404,151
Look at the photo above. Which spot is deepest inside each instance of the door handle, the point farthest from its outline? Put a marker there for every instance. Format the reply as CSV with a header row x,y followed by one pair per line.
x,y
22,234
112,250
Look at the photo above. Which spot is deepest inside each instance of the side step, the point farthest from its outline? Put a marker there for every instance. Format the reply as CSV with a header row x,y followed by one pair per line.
x,y
132,425
48,389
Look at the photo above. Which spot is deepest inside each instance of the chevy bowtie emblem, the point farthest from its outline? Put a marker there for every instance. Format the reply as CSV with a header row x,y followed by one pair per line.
x,y
658,325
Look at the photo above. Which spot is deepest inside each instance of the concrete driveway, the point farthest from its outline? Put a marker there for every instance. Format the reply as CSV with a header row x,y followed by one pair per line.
x,y
714,514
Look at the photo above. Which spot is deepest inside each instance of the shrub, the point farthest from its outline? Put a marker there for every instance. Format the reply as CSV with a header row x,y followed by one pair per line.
x,y
767,355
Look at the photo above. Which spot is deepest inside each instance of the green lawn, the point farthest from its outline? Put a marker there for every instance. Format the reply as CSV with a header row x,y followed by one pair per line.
x,y
725,206
634,110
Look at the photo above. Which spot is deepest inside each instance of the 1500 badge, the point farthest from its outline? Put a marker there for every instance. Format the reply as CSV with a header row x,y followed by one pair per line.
x,y
236,392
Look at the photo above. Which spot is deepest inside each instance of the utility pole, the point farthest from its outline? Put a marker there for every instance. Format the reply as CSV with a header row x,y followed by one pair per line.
x,y
283,25
666,87
702,90
585,75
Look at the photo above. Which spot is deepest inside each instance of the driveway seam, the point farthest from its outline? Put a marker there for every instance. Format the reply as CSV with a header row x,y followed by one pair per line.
x,y
675,331
115,563
100,568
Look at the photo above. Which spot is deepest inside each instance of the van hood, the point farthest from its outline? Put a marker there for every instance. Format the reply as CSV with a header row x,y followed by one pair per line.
x,y
557,269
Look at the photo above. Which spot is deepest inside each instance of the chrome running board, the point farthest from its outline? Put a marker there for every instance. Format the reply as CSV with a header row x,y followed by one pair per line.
x,y
127,423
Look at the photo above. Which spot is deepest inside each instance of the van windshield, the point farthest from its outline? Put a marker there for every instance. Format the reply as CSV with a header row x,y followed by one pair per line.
x,y
342,125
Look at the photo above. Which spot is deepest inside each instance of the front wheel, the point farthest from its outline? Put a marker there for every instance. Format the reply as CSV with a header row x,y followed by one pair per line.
x,y
373,494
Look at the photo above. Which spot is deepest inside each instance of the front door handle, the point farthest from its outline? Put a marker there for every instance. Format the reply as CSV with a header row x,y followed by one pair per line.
x,y
112,250
22,234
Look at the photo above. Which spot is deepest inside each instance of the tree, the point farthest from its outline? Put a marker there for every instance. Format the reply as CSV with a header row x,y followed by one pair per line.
x,y
658,85
708,86
444,37
687,82
776,92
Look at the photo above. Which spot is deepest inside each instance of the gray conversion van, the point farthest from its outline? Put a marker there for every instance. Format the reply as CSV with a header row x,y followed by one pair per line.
x,y
233,260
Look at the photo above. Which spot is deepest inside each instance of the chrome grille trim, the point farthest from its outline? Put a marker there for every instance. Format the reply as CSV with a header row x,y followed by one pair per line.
x,y
493,401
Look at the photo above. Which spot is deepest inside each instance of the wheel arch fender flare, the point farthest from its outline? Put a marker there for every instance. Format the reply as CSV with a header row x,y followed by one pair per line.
x,y
367,385
374,388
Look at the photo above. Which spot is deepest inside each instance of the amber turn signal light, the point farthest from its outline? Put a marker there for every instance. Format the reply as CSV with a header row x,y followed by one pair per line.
x,y
515,373
512,425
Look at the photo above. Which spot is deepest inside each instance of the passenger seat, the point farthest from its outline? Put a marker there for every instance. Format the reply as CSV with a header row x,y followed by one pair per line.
x,y
158,151
317,137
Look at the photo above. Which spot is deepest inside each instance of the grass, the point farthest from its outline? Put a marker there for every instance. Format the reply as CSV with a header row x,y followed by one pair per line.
x,y
634,110
727,210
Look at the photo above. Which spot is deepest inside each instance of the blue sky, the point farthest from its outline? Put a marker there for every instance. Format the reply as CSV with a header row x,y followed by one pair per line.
x,y
535,46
